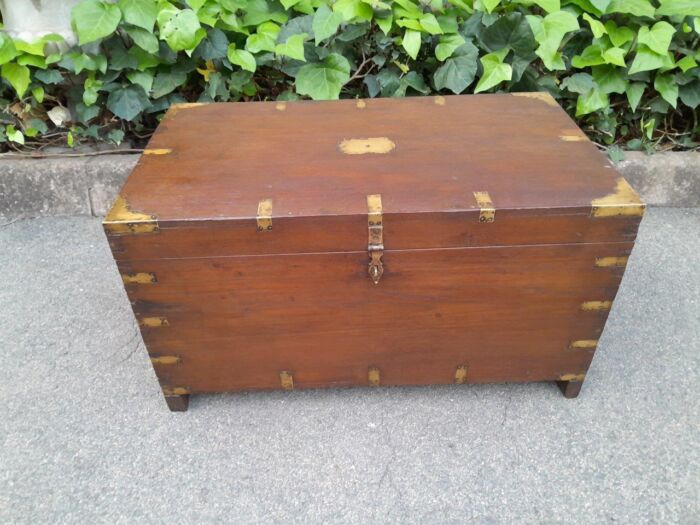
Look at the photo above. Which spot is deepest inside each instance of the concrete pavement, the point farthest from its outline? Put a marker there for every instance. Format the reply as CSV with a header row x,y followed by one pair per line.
x,y
86,436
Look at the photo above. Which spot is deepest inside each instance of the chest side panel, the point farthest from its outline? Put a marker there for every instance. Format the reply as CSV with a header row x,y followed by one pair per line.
x,y
505,314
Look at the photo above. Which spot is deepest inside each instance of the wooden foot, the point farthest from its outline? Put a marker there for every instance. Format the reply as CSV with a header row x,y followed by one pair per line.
x,y
178,403
570,389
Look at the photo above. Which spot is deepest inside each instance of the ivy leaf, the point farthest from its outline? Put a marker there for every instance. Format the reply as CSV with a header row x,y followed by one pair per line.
x,y
549,5
512,31
259,11
14,135
242,58
597,28
411,42
646,60
601,5
323,80
619,36
7,48
143,38
457,73
690,94
94,19
264,38
128,102
609,79
353,9
385,23
634,91
142,78
17,76
495,71
578,83
326,23
615,55
165,83
490,5
293,47
667,88
658,38
430,24
633,7
686,63
591,56
180,31
591,101
678,8
448,45
549,33
140,13
49,76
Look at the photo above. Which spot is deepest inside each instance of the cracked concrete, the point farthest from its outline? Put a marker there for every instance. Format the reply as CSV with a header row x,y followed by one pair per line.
x,y
86,436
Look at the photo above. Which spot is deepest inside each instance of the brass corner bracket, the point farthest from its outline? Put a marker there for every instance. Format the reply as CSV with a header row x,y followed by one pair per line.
x,y
122,220
622,202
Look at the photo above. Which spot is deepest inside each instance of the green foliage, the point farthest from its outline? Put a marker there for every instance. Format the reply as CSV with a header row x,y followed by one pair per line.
x,y
626,69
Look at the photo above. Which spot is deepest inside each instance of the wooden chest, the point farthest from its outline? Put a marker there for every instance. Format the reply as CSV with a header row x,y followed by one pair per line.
x,y
427,240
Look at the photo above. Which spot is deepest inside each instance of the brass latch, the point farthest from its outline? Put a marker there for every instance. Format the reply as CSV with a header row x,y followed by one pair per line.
x,y
376,237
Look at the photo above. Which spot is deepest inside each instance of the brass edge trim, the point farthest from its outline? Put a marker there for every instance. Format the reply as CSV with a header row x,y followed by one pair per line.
x,y
286,380
122,220
583,343
611,262
573,138
264,217
590,306
153,322
373,376
361,104
544,96
461,374
157,151
281,106
439,100
622,202
166,360
175,390
174,108
572,377
139,278
487,212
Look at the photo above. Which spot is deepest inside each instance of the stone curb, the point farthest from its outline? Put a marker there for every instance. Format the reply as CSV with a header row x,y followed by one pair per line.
x,y
88,185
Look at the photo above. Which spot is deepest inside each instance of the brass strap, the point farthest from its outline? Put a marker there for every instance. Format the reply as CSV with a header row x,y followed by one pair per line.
x,y
461,375
375,245
373,376
264,215
487,212
286,380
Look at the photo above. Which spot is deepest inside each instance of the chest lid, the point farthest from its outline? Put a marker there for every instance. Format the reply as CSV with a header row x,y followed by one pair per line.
x,y
442,166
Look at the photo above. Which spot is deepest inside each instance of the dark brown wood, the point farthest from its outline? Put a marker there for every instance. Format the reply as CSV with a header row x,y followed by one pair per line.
x,y
231,308
570,389
179,403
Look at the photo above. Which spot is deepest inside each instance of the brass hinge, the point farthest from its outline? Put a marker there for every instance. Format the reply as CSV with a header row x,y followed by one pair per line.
x,y
487,212
373,376
375,245
139,278
461,375
264,215
286,380
122,220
